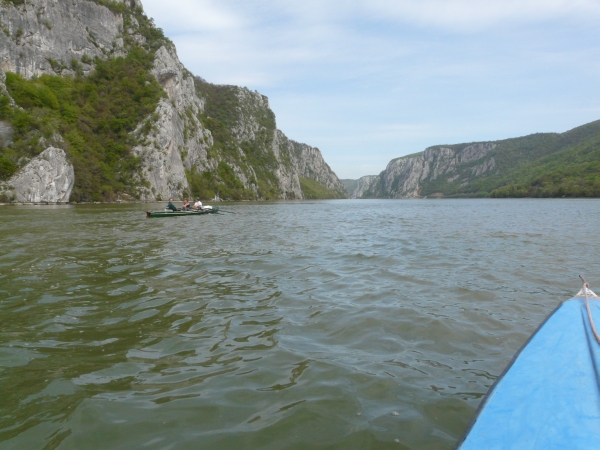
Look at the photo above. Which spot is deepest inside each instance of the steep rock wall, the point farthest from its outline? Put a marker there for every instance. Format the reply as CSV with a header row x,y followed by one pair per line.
x,y
404,177
255,137
48,177
44,36
310,164
178,139
362,185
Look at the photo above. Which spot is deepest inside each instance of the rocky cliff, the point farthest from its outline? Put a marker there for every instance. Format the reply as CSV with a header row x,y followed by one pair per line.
x,y
47,178
539,165
201,139
407,176
362,185
47,36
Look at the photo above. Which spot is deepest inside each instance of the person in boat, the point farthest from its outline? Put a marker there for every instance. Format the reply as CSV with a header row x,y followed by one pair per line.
x,y
171,206
198,205
186,205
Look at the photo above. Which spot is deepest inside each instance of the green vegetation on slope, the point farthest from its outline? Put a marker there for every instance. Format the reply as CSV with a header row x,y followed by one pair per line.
x,y
349,185
312,190
539,165
95,115
221,102
223,111
573,172
224,184
13,2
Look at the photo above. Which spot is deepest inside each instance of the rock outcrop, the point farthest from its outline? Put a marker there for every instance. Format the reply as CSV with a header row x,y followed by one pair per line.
x,y
253,125
178,140
405,177
50,36
47,178
6,133
362,185
310,164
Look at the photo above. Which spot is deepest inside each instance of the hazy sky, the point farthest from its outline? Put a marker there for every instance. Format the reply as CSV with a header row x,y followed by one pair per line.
x,y
366,81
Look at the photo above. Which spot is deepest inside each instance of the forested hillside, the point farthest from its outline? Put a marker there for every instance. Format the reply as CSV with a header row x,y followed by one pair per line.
x,y
539,165
573,170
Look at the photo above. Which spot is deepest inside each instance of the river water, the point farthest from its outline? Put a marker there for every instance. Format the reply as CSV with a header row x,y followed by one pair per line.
x,y
331,324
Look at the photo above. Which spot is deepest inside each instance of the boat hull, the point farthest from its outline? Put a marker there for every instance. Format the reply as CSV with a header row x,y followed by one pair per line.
x,y
549,396
156,214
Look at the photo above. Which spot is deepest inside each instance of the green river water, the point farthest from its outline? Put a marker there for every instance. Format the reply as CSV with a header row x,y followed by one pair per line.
x,y
331,324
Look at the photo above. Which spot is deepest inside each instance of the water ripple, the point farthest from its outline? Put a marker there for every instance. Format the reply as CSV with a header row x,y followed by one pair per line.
x,y
354,324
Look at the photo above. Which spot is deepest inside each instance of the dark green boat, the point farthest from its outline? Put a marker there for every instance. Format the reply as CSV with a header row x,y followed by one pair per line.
x,y
169,213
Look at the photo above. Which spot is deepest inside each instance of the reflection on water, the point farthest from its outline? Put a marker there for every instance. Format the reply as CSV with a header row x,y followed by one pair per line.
x,y
354,324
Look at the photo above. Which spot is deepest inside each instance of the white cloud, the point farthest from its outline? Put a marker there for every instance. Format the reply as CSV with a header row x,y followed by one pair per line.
x,y
468,15
271,42
193,15
457,15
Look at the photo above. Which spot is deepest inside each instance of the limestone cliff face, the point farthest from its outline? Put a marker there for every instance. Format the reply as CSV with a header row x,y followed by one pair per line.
x,y
62,37
44,36
405,177
310,164
362,185
178,140
48,177
255,123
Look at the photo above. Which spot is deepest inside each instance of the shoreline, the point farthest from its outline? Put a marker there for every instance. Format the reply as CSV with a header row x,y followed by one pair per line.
x,y
139,202
289,200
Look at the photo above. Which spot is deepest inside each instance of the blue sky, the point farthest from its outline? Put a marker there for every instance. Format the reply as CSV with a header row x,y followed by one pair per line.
x,y
367,81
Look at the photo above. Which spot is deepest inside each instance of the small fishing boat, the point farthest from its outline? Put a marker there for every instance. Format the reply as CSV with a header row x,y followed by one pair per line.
x,y
169,213
549,395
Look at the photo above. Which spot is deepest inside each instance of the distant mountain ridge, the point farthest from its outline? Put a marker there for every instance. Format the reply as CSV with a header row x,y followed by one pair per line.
x,y
539,165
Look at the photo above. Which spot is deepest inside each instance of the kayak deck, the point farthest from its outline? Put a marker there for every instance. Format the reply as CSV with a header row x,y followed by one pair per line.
x,y
169,213
549,396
